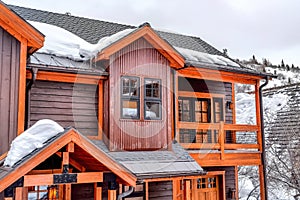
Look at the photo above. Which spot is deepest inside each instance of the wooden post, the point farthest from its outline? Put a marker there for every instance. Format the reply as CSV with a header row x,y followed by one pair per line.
x,y
19,193
112,194
175,188
187,190
261,182
100,109
60,192
258,111
222,139
67,192
25,193
97,192
233,135
147,191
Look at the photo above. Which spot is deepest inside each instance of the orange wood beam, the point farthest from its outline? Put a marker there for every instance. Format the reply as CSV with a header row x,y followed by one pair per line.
x,y
217,75
67,192
66,77
70,147
47,179
100,109
261,182
112,194
97,192
19,193
22,86
73,163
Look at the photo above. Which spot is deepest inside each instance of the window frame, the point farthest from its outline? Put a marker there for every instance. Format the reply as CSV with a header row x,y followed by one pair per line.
x,y
130,98
152,99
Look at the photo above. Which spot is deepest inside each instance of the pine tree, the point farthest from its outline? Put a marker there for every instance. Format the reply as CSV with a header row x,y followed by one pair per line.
x,y
282,64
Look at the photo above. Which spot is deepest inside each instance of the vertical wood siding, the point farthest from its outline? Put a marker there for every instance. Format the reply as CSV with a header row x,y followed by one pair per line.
x,y
9,82
139,59
68,104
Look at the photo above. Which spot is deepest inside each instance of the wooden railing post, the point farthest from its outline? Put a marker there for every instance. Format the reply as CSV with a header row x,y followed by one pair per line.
x,y
222,139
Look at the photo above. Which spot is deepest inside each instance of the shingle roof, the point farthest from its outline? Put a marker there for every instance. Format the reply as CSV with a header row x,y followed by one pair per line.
x,y
284,130
92,30
146,164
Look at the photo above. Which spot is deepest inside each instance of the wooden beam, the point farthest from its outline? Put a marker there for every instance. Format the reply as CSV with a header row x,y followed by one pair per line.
x,y
222,139
100,109
97,192
66,77
147,191
47,179
112,194
67,192
70,147
258,115
22,86
187,188
261,182
18,193
74,163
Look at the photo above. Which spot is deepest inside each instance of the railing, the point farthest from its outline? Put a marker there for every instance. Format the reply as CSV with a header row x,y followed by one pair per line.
x,y
219,136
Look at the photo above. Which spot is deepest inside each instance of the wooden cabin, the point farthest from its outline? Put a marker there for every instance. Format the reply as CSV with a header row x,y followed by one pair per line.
x,y
150,115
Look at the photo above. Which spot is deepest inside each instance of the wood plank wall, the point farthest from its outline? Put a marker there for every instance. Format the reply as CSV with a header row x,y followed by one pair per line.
x,y
9,84
139,59
161,190
68,104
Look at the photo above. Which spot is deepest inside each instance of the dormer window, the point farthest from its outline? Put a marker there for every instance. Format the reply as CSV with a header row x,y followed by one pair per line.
x,y
130,96
152,99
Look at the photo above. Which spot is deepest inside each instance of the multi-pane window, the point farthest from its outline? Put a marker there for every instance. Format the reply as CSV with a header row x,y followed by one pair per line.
x,y
218,109
194,110
152,99
131,100
130,104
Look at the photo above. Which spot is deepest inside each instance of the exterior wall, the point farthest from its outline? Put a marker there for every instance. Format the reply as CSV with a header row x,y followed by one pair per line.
x,y
139,59
230,179
161,190
9,87
82,191
66,103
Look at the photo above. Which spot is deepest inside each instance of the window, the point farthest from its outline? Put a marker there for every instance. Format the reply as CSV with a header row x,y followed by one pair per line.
x,y
152,99
218,109
130,96
194,110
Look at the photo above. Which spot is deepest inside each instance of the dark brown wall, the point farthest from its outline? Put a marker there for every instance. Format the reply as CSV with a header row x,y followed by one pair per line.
x,y
66,103
161,190
9,84
139,59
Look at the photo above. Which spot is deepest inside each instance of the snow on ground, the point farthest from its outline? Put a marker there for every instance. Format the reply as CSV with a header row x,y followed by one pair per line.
x,y
61,42
197,56
31,139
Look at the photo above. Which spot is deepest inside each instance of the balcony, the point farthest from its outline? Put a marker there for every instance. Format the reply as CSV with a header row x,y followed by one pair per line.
x,y
220,144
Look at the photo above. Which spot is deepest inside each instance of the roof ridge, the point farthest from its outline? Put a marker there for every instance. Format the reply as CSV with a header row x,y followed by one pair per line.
x,y
70,15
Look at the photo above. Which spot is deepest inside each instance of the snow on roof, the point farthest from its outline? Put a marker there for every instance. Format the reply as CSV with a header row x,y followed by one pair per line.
x,y
31,139
197,56
60,42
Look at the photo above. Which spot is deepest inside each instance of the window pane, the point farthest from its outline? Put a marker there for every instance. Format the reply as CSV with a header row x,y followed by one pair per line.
x,y
152,88
130,86
152,110
130,109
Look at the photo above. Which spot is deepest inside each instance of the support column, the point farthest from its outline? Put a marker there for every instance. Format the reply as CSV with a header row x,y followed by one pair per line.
x,y
67,192
112,190
98,191
262,182
18,193
187,187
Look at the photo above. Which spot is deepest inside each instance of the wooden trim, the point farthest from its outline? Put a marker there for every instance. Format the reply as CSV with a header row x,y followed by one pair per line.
x,y
47,179
236,182
67,191
222,139
175,59
258,116
66,77
241,127
22,86
146,191
199,95
217,75
44,171
81,141
187,191
261,182
112,195
70,147
100,109
18,193
19,28
74,163
200,145
241,146
196,125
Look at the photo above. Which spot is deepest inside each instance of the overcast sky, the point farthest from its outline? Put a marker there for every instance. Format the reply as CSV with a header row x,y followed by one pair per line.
x,y
264,28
